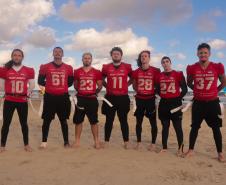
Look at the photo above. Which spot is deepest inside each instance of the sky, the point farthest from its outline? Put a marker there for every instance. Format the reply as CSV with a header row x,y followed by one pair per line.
x,y
173,28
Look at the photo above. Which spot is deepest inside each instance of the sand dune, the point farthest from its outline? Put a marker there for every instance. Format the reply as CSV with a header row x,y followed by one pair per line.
x,y
111,166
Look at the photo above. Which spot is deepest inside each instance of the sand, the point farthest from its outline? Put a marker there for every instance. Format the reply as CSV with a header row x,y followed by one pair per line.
x,y
111,166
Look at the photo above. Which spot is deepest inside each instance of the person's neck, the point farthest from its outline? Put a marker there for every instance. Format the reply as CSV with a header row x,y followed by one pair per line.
x,y
168,70
145,66
17,67
204,65
86,68
58,61
116,64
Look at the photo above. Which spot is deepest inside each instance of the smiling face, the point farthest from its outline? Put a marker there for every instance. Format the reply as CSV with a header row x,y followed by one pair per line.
x,y
203,54
17,57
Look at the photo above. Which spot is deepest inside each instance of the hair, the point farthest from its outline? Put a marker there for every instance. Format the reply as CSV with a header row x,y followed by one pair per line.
x,y
139,57
165,57
9,64
87,53
116,49
58,48
203,45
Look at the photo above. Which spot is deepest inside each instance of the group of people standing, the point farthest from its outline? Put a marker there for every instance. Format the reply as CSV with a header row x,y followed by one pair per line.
x,y
147,81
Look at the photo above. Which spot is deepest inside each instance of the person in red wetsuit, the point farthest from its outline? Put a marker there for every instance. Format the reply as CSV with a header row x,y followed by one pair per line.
x,y
144,83
117,74
18,83
56,77
88,83
172,88
202,78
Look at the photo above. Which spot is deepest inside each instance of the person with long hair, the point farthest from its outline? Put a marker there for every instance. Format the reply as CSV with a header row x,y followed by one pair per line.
x,y
144,83
18,84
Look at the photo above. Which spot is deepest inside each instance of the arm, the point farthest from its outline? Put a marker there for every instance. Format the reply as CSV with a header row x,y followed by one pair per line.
x,y
2,84
104,81
190,82
183,87
70,81
99,86
222,80
31,85
130,81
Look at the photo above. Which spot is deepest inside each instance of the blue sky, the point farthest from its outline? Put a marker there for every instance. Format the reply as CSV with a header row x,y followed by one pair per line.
x,y
172,28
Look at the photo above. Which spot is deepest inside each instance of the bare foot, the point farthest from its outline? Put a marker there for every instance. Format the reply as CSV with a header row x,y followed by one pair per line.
x,y
43,146
189,153
105,144
2,149
126,145
137,146
180,151
151,147
27,148
163,151
97,145
67,145
75,145
221,158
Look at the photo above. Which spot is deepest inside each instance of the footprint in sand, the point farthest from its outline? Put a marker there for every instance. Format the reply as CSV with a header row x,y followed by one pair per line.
x,y
24,162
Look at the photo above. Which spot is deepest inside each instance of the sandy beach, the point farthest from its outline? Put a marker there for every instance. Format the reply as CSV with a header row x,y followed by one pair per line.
x,y
111,166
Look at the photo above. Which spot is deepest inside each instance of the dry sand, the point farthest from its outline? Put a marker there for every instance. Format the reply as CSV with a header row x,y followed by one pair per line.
x,y
111,166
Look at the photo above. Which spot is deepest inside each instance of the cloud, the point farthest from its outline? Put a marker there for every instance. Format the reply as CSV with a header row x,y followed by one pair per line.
x,y
42,37
178,56
5,55
17,16
217,44
101,42
207,21
220,55
70,61
127,11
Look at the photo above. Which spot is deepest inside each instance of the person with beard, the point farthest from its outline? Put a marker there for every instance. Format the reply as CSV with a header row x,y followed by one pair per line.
x,y
144,83
18,83
117,74
55,77
88,83
202,78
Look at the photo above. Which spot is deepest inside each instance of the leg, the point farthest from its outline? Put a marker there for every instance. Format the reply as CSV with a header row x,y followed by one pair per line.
x,y
192,139
94,128
165,134
139,120
64,129
110,116
177,124
218,141
22,109
8,110
154,132
124,127
45,132
78,131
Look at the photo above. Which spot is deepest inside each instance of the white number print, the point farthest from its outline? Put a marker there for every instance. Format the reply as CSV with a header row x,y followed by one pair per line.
x,y
144,84
86,85
58,79
117,82
171,88
201,83
17,86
